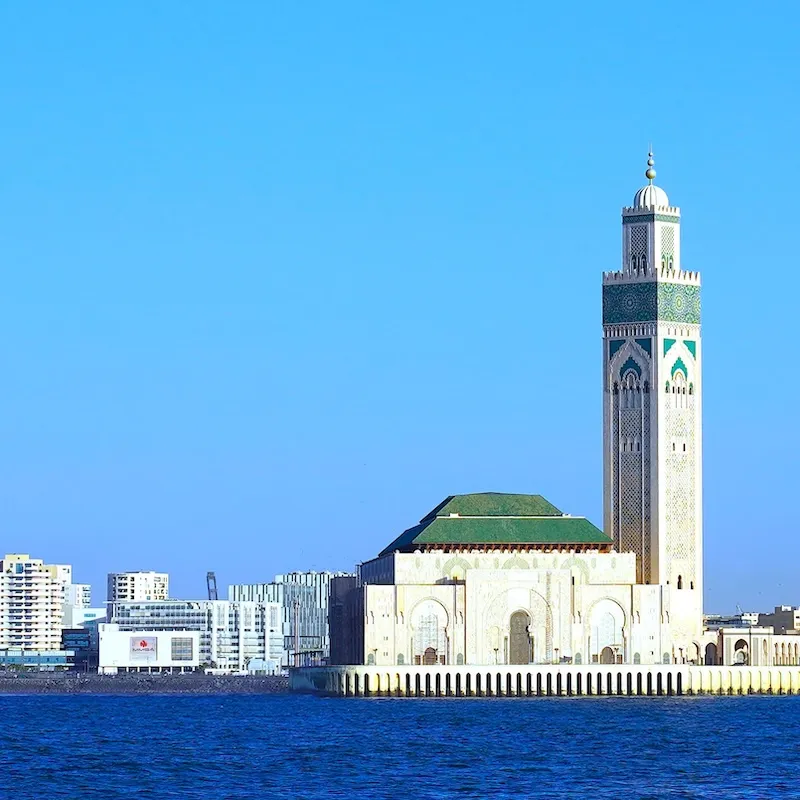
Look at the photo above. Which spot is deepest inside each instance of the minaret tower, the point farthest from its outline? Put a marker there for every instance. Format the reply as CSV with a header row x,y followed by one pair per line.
x,y
652,390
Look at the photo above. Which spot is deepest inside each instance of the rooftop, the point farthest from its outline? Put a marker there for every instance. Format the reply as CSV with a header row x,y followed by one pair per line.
x,y
497,520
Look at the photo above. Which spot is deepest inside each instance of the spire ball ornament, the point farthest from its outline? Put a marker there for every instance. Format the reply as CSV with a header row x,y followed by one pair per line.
x,y
650,196
651,173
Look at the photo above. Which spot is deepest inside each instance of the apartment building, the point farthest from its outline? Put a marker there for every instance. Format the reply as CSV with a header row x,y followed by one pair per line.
x,y
31,603
137,587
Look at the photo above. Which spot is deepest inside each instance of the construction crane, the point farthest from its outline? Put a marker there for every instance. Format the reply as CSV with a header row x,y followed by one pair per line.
x,y
211,583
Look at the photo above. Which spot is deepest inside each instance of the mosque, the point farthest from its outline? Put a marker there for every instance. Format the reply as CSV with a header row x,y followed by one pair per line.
x,y
510,579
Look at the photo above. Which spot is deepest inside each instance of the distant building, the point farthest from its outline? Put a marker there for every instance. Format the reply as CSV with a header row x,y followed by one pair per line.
x,y
137,586
757,646
79,595
346,635
784,619
80,643
41,660
31,604
78,616
744,619
231,635
147,651
303,598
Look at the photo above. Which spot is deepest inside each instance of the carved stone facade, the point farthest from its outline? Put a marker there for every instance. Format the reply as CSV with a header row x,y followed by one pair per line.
x,y
652,390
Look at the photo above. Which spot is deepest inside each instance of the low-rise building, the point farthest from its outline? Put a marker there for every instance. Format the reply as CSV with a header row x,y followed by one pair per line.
x,y
497,578
147,650
783,619
78,616
757,646
137,586
231,635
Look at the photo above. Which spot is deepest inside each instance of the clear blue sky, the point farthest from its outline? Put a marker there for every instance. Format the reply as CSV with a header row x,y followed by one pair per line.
x,y
278,277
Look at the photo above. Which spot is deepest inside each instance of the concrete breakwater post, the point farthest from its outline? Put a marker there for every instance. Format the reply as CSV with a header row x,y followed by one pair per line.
x,y
544,680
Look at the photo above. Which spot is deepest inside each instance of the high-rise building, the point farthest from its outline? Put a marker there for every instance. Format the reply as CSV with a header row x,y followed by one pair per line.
x,y
137,586
303,598
652,384
31,604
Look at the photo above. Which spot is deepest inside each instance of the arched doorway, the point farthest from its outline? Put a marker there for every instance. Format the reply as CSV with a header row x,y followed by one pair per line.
x,y
519,644
607,656
741,653
429,657
711,654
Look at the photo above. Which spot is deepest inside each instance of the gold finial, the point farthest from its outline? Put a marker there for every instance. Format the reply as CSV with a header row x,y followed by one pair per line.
x,y
650,173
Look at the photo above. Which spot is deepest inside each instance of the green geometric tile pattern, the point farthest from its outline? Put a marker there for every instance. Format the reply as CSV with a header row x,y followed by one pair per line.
x,y
637,218
650,302
667,344
691,347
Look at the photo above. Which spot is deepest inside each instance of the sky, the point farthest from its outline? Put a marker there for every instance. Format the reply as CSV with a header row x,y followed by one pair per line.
x,y
279,277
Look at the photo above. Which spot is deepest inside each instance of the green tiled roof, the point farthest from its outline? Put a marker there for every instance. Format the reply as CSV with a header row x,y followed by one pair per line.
x,y
495,504
491,518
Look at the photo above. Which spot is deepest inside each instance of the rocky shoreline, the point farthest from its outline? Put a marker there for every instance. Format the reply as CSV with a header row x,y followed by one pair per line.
x,y
141,683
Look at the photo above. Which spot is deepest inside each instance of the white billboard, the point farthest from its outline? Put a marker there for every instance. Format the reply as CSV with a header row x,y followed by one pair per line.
x,y
144,648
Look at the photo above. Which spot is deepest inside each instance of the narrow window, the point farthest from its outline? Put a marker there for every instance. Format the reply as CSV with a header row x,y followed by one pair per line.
x,y
680,582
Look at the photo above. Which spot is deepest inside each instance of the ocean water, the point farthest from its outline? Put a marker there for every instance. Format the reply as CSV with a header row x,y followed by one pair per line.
x,y
285,746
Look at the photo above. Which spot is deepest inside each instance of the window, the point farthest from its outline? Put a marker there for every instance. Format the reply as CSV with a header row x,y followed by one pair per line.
x,y
182,648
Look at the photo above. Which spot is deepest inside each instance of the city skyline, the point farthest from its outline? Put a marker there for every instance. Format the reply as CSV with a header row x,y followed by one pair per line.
x,y
260,308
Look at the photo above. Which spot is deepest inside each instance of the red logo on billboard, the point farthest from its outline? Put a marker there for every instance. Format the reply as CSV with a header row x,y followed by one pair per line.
x,y
143,643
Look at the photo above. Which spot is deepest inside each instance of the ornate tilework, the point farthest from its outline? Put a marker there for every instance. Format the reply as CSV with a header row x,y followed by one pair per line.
x,y
646,345
691,346
667,344
649,302
630,364
613,346
629,302
679,366
638,218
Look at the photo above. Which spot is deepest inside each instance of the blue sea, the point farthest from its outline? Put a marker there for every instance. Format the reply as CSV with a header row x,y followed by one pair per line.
x,y
286,746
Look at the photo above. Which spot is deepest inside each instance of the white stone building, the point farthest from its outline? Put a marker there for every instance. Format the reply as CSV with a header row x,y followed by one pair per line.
x,y
509,579
137,586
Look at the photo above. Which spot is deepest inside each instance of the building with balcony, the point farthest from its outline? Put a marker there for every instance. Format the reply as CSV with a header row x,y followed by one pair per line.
x,y
31,604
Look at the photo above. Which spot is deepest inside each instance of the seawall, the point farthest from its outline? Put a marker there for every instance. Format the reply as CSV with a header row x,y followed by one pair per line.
x,y
539,680
140,683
